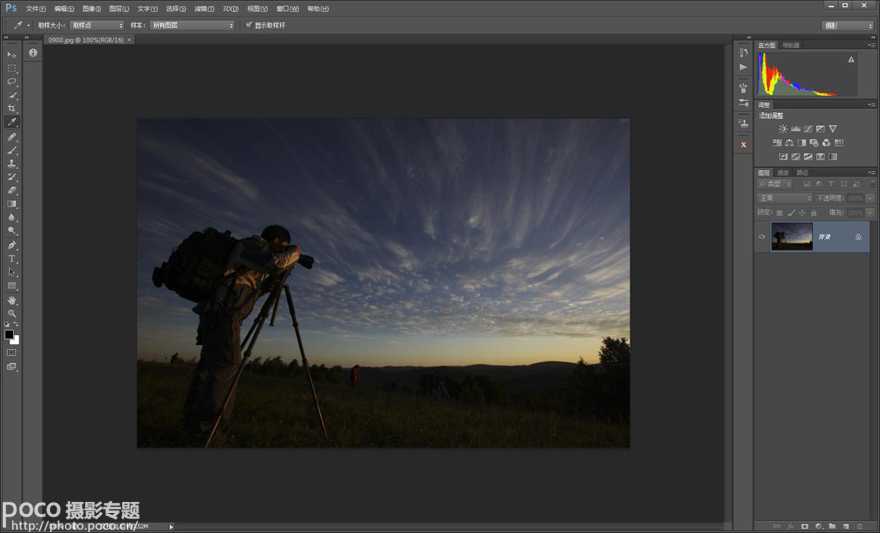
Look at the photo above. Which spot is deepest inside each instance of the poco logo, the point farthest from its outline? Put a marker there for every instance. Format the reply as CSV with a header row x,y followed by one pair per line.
x,y
30,510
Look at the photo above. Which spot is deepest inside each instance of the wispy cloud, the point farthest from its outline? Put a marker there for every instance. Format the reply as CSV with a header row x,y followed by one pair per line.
x,y
325,278
192,164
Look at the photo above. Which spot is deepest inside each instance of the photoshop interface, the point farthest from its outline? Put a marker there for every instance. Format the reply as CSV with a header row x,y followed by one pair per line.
x,y
447,266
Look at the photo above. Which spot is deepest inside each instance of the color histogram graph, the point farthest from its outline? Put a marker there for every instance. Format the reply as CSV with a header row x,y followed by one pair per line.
x,y
806,74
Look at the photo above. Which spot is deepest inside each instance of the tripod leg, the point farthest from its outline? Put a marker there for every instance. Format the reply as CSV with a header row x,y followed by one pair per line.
x,y
250,332
254,323
305,361
255,330
274,312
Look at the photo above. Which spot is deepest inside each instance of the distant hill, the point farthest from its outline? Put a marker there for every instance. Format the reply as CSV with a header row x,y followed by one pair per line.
x,y
522,377
533,377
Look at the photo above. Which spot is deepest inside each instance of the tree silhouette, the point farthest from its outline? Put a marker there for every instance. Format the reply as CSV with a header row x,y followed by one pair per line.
x,y
274,366
255,365
614,351
602,390
293,368
779,236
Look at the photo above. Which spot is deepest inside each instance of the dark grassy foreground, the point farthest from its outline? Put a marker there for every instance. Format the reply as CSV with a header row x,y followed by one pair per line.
x,y
277,412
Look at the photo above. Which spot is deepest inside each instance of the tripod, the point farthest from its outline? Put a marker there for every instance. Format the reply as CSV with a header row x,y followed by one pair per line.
x,y
250,340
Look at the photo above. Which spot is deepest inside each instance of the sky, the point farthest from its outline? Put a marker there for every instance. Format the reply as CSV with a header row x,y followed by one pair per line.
x,y
437,241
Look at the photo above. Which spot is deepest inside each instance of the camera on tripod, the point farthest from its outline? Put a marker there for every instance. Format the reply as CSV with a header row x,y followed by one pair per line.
x,y
306,261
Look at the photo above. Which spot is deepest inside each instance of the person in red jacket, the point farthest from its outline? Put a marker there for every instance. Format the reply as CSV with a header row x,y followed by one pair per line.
x,y
355,375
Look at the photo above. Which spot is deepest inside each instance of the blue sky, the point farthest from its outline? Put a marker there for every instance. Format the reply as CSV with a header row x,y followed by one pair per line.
x,y
438,241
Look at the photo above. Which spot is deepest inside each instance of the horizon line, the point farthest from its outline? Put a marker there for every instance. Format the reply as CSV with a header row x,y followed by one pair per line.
x,y
164,359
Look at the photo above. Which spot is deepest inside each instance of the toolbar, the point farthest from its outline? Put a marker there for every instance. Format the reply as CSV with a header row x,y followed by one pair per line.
x,y
14,55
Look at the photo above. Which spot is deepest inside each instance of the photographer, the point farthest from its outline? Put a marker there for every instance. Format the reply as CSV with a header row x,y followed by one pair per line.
x,y
253,263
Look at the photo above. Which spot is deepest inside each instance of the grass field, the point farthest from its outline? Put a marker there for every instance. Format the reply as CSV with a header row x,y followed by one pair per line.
x,y
277,412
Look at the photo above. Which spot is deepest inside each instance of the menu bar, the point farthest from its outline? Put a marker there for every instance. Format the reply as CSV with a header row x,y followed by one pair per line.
x,y
77,19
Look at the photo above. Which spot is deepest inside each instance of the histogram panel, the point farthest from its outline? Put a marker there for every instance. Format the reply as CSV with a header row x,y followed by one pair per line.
x,y
812,74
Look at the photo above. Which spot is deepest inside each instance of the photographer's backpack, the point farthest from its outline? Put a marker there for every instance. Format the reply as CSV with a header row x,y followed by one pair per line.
x,y
196,267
